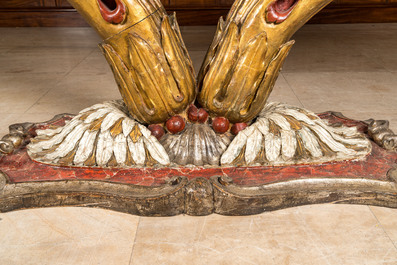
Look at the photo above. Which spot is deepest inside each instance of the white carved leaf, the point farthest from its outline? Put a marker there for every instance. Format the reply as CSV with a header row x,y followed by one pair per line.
x,y
104,149
360,142
69,143
110,120
49,132
97,114
326,137
57,138
253,146
272,147
234,148
310,142
288,144
156,150
79,135
128,125
137,151
120,149
86,147
281,148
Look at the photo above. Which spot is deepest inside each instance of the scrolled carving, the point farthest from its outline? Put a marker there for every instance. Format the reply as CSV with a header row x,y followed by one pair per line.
x,y
199,197
392,174
15,138
6,147
379,131
3,180
233,199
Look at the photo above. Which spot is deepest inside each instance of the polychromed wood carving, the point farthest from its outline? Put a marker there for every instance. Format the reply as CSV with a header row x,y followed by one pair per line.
x,y
208,143
168,118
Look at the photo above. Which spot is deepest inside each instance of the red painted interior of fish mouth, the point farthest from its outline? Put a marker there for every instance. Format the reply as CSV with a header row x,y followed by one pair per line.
x,y
279,10
112,11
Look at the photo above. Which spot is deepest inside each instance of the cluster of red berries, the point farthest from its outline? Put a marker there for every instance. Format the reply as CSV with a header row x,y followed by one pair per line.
x,y
177,123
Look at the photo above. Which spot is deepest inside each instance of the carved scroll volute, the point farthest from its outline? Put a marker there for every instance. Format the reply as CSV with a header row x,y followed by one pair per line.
x,y
249,48
144,47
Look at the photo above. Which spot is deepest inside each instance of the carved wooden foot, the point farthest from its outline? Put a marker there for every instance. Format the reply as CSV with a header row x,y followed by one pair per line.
x,y
165,191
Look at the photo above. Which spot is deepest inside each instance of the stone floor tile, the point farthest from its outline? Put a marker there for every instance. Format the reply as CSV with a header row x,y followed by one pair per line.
x,y
387,218
66,236
76,92
319,234
21,91
42,60
283,93
94,63
345,91
6,120
341,48
328,55
348,234
49,37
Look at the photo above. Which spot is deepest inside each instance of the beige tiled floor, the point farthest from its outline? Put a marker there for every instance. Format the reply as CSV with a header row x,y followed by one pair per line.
x,y
348,68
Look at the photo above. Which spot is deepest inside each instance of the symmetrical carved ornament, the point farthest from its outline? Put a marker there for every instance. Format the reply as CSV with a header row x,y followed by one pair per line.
x,y
202,129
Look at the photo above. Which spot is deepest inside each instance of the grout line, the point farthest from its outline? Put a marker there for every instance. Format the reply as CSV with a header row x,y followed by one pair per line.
x,y
59,81
133,246
324,250
290,87
384,230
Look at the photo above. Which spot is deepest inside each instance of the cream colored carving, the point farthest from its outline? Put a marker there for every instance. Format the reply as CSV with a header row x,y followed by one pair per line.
x,y
89,134
281,148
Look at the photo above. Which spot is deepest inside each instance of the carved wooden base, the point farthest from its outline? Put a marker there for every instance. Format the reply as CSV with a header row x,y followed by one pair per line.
x,y
196,191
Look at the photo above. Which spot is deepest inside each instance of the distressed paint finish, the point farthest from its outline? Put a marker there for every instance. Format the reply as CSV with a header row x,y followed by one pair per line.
x,y
145,50
374,166
102,135
199,196
105,136
152,67
198,190
20,168
284,134
247,53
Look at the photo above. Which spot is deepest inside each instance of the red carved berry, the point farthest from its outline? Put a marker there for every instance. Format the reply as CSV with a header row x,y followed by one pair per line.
x,y
220,124
238,127
193,113
202,115
157,130
175,124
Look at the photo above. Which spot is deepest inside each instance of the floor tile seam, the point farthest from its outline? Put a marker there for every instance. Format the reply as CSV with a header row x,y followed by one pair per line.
x,y
290,87
59,81
35,46
135,241
99,238
198,239
318,241
383,229
371,58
